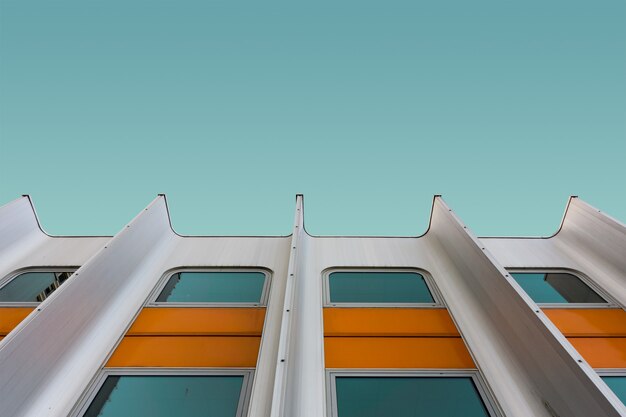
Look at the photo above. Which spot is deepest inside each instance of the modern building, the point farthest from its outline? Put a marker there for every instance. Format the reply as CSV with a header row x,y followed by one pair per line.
x,y
152,323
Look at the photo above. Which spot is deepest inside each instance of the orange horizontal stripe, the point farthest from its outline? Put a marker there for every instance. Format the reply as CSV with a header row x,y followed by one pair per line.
x,y
10,317
186,352
588,322
199,321
388,322
396,352
602,352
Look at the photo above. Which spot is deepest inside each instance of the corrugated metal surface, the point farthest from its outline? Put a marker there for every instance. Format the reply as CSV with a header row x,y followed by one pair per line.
x,y
530,368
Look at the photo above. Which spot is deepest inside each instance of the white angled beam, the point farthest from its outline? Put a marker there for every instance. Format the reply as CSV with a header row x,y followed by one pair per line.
x,y
299,383
49,359
530,366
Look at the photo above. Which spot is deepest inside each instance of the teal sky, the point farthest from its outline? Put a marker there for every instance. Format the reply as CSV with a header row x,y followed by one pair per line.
x,y
368,108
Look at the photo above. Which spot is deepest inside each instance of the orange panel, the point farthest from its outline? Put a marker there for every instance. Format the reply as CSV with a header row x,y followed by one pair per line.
x,y
396,352
602,352
588,322
11,317
199,321
186,351
388,322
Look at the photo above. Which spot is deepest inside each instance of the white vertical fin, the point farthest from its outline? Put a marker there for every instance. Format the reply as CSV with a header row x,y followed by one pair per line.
x,y
597,242
46,363
530,366
20,233
299,384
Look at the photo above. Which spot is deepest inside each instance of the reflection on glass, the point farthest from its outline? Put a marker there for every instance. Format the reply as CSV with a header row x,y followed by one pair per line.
x,y
33,286
378,287
213,287
556,288
167,396
408,397
618,385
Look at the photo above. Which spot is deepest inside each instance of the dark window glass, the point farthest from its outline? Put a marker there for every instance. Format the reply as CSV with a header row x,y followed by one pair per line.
x,y
618,385
167,396
408,397
33,286
378,287
214,287
556,287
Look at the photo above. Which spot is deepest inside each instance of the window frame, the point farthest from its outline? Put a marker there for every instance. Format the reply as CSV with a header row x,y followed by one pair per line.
x,y
15,274
609,301
94,387
610,371
484,393
154,294
428,280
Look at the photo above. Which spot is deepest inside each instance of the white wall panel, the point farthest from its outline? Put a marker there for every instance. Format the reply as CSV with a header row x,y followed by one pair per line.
x,y
49,359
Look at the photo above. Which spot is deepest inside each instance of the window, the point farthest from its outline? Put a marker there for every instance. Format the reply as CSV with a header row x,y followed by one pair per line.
x,y
33,286
408,394
556,288
228,287
186,394
616,380
377,287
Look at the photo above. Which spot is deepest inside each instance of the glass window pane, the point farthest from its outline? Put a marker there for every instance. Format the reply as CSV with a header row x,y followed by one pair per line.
x,y
408,397
618,385
556,288
214,287
378,287
32,286
167,396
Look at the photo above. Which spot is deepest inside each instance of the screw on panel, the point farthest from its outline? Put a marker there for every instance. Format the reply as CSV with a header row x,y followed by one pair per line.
x,y
282,360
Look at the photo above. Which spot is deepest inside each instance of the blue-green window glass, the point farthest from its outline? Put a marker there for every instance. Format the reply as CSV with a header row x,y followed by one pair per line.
x,y
408,397
556,287
378,287
33,286
213,287
167,396
618,385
